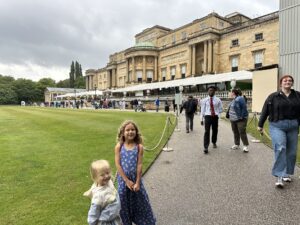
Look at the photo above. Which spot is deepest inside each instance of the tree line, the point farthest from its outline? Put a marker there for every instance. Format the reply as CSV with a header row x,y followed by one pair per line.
x,y
13,91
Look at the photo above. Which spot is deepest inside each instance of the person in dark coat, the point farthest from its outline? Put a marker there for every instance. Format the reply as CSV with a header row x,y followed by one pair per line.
x,y
190,107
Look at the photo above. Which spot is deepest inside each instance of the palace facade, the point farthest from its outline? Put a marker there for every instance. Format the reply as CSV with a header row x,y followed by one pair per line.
x,y
210,45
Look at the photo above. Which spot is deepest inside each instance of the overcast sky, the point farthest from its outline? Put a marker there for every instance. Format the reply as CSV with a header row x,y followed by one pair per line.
x,y
40,38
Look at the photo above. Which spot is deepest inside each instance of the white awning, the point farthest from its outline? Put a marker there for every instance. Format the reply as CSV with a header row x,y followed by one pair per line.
x,y
80,94
205,79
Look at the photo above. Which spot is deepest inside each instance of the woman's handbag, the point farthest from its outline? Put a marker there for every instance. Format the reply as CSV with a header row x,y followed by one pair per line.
x,y
227,113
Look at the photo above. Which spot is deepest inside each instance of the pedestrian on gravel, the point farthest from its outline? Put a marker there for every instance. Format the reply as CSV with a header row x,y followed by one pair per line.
x,y
283,110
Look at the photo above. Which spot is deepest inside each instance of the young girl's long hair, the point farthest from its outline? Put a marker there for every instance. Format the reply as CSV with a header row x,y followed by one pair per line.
x,y
120,137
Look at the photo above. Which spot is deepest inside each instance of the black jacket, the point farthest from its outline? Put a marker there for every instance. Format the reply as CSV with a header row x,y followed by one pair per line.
x,y
271,107
190,106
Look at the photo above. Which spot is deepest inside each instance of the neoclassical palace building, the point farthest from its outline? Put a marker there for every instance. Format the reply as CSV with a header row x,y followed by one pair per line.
x,y
210,45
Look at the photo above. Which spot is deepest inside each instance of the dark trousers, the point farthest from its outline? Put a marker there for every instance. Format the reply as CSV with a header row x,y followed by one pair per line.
x,y
239,131
210,121
189,121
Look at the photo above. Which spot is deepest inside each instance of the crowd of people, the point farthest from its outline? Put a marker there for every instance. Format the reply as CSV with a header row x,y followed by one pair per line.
x,y
130,202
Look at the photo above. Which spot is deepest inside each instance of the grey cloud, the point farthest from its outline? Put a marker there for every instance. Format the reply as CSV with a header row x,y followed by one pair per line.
x,y
53,33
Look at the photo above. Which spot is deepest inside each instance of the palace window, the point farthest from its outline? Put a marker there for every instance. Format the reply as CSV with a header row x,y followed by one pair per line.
x,y
173,39
139,75
259,37
149,76
183,70
234,42
234,63
129,76
203,26
183,35
221,24
258,59
163,74
173,72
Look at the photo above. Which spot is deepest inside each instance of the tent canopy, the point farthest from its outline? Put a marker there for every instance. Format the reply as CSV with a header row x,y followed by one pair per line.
x,y
205,79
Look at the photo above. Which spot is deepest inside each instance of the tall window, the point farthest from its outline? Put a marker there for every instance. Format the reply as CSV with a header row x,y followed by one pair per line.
x,y
173,72
139,75
234,63
129,78
258,59
183,35
173,39
234,42
149,76
259,37
183,70
163,74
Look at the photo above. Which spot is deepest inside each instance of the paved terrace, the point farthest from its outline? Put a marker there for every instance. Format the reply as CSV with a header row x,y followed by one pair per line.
x,y
226,186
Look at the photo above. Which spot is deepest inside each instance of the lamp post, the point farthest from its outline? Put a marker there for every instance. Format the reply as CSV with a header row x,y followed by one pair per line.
x,y
232,83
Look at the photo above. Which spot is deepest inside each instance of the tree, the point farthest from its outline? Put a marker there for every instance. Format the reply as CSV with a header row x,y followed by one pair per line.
x,y
7,95
77,70
41,86
80,82
72,75
26,90
63,83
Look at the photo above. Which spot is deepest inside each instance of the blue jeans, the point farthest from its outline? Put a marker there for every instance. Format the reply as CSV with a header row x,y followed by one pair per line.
x,y
284,134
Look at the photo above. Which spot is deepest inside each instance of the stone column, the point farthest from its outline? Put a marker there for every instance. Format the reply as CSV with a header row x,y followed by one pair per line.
x,y
87,83
144,69
155,69
127,72
209,56
205,57
113,77
193,60
133,75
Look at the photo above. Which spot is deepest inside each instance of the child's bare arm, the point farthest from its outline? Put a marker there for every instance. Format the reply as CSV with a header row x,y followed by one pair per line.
x,y
139,168
128,182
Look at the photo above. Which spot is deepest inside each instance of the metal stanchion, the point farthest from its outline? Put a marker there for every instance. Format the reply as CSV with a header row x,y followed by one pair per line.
x,y
255,125
167,148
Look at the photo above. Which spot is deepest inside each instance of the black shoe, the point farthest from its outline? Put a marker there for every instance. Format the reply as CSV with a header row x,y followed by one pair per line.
x,y
187,131
205,151
215,145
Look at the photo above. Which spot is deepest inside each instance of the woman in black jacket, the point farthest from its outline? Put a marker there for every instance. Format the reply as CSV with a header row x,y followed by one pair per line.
x,y
283,110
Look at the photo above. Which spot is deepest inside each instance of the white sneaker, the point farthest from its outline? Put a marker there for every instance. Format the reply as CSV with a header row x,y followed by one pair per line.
x,y
287,179
245,149
279,182
235,147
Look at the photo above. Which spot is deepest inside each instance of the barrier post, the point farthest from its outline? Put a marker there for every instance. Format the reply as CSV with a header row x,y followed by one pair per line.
x,y
167,148
177,121
255,125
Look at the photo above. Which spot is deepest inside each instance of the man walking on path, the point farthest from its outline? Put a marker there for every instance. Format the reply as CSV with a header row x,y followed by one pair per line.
x,y
211,109
190,107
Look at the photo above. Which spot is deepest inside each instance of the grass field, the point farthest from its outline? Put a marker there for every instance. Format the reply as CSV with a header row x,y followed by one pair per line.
x,y
45,156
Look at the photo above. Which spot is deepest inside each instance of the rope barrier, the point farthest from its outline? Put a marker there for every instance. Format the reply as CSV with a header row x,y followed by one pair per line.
x,y
163,134
168,120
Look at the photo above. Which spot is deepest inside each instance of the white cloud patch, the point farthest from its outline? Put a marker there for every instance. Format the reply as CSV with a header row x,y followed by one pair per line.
x,y
41,38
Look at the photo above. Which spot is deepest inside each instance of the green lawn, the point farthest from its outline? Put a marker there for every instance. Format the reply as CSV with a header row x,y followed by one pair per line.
x,y
45,156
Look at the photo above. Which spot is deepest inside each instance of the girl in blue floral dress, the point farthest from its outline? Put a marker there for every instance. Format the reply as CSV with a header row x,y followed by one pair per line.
x,y
135,204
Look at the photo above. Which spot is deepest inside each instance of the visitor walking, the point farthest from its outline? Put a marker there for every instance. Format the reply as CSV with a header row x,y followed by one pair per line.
x,y
238,116
157,103
211,109
190,107
283,110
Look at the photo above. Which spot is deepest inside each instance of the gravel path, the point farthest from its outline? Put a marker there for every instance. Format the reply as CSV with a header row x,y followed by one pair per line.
x,y
187,187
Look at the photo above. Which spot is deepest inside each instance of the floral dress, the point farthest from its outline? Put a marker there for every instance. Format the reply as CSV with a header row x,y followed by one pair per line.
x,y
135,206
